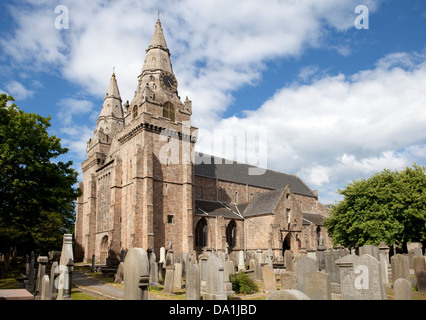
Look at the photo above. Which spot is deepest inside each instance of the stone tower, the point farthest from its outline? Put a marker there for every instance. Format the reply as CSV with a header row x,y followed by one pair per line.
x,y
138,176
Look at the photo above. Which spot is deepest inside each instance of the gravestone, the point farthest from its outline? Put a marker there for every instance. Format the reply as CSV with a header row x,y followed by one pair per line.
x,y
371,250
54,273
258,271
227,284
400,267
418,264
202,262
163,255
421,281
402,289
289,260
287,295
368,279
153,267
136,274
317,285
42,262
177,280
65,269
330,257
311,253
193,282
347,278
321,256
45,293
31,274
214,279
169,280
304,265
288,280
119,275
269,278
384,267
241,264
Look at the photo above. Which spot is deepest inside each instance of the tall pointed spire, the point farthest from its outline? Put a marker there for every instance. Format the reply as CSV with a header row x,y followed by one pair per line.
x,y
112,100
157,54
158,40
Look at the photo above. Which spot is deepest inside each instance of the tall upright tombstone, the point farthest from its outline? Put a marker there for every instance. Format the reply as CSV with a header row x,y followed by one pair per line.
x,y
54,273
289,260
371,250
136,274
400,267
193,282
42,262
402,289
214,279
304,265
65,268
241,264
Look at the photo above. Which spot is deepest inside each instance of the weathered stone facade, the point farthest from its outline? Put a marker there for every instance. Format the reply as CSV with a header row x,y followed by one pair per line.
x,y
142,186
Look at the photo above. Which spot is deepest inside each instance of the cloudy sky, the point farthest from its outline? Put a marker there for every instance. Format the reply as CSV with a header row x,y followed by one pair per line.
x,y
330,90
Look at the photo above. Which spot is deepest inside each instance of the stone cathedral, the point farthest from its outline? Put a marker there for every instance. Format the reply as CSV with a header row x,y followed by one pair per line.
x,y
145,186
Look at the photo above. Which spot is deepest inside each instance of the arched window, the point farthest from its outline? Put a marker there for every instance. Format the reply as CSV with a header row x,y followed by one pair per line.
x,y
236,197
169,111
231,234
201,231
104,249
135,111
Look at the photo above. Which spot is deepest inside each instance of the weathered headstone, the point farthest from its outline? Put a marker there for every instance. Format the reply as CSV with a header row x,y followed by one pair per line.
x,y
421,281
65,269
193,282
119,275
311,253
289,260
269,278
31,274
368,279
214,279
317,285
136,275
288,280
402,289
418,264
177,282
169,280
45,293
54,273
42,262
304,265
287,295
258,271
321,256
330,257
347,277
371,250
241,264
400,267
163,255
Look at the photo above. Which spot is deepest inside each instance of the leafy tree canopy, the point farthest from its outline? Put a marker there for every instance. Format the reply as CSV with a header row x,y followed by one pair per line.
x,y
390,206
36,193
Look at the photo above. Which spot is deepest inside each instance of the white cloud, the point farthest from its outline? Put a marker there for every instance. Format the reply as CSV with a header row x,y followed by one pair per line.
x,y
339,128
18,91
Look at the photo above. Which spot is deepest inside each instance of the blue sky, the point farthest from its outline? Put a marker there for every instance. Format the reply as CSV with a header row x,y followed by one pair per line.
x,y
335,102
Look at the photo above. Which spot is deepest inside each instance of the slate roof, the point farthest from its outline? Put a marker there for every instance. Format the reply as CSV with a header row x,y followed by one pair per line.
x,y
311,217
216,208
263,203
239,172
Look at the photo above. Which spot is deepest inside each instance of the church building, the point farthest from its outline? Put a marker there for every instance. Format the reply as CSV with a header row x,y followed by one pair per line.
x,y
144,185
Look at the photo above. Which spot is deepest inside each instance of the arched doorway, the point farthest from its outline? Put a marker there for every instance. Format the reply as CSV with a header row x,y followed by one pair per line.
x,y
103,254
287,243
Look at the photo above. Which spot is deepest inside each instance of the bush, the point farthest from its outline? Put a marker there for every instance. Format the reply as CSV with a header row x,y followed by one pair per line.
x,y
241,283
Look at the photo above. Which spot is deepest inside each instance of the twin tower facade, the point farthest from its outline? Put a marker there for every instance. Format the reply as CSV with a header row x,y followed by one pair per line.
x,y
140,187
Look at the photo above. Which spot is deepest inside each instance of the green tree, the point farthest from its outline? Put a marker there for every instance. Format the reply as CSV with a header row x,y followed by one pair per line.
x,y
390,206
36,193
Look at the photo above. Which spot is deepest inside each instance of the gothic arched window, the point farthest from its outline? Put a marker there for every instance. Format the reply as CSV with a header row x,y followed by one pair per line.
x,y
169,111
135,112
231,234
201,231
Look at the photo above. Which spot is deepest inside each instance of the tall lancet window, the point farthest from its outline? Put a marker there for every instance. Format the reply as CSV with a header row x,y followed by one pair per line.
x,y
169,111
135,112
201,231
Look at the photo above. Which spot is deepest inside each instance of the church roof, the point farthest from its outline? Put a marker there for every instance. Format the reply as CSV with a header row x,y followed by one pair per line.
x,y
215,167
312,218
216,209
263,203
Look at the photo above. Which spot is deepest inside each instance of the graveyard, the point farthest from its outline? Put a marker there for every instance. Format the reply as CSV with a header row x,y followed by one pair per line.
x,y
338,273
